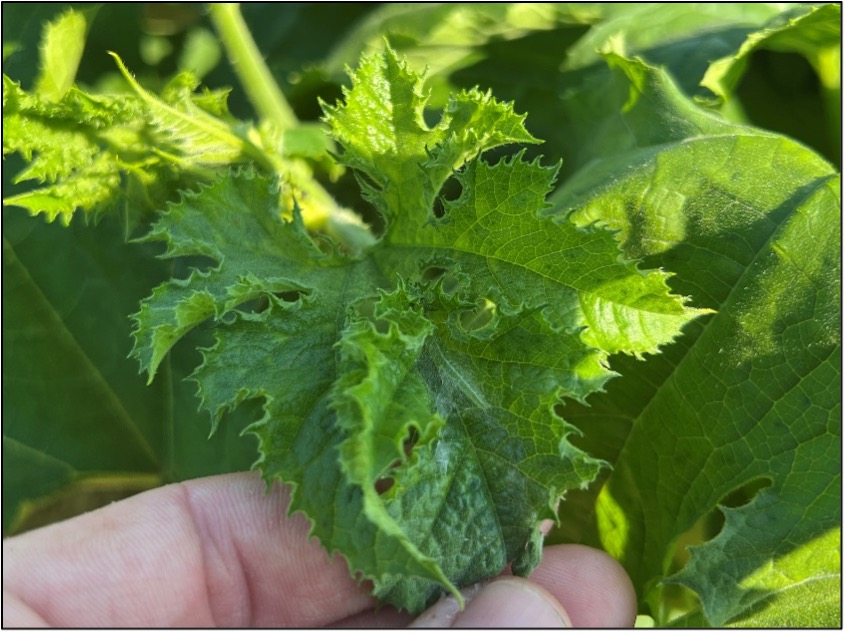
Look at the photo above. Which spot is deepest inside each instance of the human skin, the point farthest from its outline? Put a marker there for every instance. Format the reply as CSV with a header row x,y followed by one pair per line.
x,y
220,551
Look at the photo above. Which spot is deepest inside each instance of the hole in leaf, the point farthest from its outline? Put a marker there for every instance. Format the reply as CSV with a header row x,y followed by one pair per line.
x,y
366,308
256,305
410,441
324,244
184,266
674,600
711,523
450,284
347,192
450,191
736,498
431,116
367,182
385,483
382,485
440,277
261,303
746,492
430,274
478,318
290,296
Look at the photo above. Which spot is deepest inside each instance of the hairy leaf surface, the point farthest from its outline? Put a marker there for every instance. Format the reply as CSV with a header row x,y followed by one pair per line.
x,y
408,395
99,153
61,50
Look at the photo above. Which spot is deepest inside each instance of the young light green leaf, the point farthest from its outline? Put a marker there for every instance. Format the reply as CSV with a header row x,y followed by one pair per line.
x,y
61,49
383,136
198,137
95,153
67,146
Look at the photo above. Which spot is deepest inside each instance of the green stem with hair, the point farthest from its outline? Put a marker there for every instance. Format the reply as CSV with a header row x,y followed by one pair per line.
x,y
250,67
320,210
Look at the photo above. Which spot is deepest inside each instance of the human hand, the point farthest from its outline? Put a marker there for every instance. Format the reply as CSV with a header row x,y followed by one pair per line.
x,y
218,552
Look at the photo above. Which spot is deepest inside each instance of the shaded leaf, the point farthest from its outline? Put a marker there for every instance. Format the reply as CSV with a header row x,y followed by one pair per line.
x,y
77,417
754,393
810,31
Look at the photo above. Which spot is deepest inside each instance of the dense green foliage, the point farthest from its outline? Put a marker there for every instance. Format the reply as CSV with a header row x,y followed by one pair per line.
x,y
496,335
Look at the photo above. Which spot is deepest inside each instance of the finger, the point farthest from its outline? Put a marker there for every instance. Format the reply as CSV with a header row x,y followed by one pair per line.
x,y
383,617
593,588
580,585
506,602
213,551
17,614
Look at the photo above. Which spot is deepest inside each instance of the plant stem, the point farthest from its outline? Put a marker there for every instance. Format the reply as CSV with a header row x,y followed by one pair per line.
x,y
250,67
320,211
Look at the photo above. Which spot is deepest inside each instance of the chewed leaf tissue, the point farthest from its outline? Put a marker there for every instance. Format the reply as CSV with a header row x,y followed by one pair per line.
x,y
375,375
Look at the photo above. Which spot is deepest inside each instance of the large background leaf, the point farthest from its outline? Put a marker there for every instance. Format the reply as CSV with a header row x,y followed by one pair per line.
x,y
80,427
748,221
802,43
541,69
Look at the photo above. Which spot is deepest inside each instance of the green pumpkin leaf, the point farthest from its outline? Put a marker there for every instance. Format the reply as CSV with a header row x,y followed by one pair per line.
x,y
61,50
409,393
749,221
80,427
105,153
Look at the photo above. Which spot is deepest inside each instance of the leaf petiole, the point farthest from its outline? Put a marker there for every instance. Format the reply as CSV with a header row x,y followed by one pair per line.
x,y
250,67
322,213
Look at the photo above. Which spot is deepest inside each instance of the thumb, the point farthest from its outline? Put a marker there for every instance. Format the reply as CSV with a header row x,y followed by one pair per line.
x,y
505,602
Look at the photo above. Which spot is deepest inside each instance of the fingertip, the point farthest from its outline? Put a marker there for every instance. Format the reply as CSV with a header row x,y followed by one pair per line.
x,y
18,614
506,602
592,586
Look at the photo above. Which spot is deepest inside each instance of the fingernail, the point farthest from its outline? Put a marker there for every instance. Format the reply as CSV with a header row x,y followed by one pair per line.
x,y
502,603
443,613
